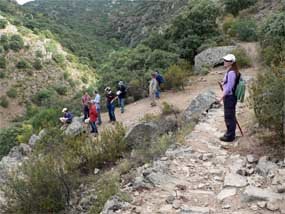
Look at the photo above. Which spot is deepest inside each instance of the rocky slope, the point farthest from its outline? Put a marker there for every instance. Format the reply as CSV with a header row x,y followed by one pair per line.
x,y
41,64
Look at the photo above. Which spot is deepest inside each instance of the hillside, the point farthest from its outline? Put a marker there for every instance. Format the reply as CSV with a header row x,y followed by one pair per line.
x,y
35,68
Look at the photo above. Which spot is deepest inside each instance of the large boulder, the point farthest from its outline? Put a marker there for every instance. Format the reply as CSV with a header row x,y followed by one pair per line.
x,y
252,193
113,205
75,128
211,57
264,166
141,134
200,104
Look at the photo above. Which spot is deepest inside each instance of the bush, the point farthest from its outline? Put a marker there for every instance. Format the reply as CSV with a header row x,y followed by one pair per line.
x,y
26,132
43,187
58,58
168,109
43,97
23,64
2,75
38,64
16,42
60,89
245,30
8,139
3,23
12,93
44,119
175,78
243,59
234,6
2,62
267,95
273,39
4,102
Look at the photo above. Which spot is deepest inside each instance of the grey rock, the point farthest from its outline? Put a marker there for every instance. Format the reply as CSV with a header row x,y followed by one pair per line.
x,y
195,210
200,104
234,180
34,139
211,57
261,204
251,159
42,133
281,188
252,193
272,205
264,166
113,204
225,193
75,128
25,149
170,199
226,206
176,204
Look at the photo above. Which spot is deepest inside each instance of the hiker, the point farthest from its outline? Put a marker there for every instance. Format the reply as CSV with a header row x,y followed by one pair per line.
x,y
92,117
96,101
67,117
159,78
152,89
229,84
121,93
85,99
110,98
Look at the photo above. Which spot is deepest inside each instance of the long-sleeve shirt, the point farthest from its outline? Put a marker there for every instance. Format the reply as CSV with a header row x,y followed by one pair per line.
x,y
153,86
229,83
97,101
68,116
93,113
85,99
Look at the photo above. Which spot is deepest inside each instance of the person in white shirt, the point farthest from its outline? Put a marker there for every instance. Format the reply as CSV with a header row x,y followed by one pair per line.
x,y
96,101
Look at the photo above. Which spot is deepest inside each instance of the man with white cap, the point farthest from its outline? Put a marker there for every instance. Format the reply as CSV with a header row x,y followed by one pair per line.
x,y
110,98
67,116
229,84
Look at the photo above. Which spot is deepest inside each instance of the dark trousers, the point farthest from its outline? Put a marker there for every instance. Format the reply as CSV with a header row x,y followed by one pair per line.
x,y
111,111
230,102
85,112
93,127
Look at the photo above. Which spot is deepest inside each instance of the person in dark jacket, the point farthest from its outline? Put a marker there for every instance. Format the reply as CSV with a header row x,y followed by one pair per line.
x,y
159,78
121,93
229,99
66,119
84,100
93,117
110,98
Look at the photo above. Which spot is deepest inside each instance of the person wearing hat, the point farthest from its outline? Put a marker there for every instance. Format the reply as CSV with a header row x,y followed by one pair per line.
x,y
121,93
229,84
110,98
67,116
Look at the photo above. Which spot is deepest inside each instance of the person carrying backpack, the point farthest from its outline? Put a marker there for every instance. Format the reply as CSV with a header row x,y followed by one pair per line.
x,y
121,93
159,78
229,86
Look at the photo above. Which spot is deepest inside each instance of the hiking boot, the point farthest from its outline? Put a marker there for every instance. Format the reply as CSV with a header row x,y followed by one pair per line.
x,y
227,139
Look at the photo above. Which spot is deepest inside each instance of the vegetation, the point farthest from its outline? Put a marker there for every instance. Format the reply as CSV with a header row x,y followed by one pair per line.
x,y
234,6
4,102
8,139
23,64
2,62
175,77
3,23
242,58
12,93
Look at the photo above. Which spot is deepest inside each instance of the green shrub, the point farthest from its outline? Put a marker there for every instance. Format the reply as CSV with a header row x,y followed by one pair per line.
x,y
267,95
3,23
228,23
234,6
2,50
16,42
39,54
26,132
38,64
43,96
273,39
4,102
58,58
8,139
243,59
12,93
244,30
168,109
23,64
2,75
43,187
175,78
44,119
2,62
60,89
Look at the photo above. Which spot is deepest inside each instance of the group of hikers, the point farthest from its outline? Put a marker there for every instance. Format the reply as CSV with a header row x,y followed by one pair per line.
x,y
92,108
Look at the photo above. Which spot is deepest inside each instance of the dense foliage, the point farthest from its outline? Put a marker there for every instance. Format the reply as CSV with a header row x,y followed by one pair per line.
x,y
234,6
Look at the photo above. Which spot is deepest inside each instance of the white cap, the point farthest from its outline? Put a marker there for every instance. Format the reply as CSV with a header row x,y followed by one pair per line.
x,y
64,110
121,83
229,58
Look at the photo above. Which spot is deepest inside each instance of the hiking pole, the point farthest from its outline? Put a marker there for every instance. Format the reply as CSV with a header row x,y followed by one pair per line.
x,y
221,87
